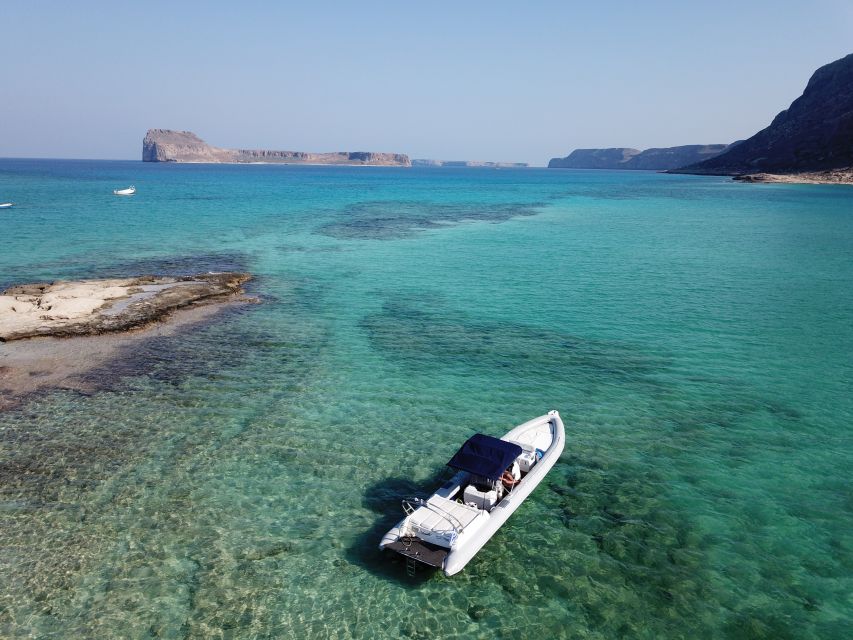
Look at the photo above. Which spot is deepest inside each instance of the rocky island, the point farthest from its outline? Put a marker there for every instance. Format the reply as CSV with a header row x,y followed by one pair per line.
x,y
811,141
655,159
166,145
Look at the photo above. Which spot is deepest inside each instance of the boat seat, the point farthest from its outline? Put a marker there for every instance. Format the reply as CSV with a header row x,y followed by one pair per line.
x,y
430,524
462,512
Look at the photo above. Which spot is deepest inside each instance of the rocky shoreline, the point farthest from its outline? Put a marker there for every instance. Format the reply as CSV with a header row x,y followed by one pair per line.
x,y
52,336
831,176
92,307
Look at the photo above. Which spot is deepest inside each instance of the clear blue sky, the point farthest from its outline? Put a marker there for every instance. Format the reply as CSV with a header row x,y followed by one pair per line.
x,y
519,81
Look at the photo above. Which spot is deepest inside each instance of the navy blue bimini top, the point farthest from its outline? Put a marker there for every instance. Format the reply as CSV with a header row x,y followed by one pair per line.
x,y
485,456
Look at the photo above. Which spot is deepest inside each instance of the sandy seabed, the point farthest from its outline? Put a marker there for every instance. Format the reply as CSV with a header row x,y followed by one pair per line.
x,y
36,364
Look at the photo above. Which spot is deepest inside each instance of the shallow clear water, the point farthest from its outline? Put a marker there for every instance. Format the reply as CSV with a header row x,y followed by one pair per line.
x,y
233,482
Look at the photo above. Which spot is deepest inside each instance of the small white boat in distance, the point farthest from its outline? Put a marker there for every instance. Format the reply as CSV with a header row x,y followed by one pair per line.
x,y
125,192
6,205
494,476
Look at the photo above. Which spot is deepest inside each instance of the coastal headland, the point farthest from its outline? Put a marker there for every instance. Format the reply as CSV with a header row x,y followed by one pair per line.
x,y
811,141
52,333
659,159
166,145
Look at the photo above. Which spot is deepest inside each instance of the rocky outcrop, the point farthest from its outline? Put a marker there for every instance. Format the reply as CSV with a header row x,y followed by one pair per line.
x,y
165,145
814,134
90,307
830,176
655,159
468,163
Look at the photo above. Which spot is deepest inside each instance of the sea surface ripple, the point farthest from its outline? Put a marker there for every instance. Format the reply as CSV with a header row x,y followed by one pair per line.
x,y
234,481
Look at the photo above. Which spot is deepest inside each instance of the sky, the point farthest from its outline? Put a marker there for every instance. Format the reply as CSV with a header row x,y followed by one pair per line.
x,y
475,80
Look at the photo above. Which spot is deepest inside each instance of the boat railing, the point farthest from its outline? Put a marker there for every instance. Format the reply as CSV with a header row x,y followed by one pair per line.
x,y
410,505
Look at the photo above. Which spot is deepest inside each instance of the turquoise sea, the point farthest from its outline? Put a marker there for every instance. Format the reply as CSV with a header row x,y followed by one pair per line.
x,y
233,481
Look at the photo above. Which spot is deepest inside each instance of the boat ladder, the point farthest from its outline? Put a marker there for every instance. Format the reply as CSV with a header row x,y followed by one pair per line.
x,y
411,566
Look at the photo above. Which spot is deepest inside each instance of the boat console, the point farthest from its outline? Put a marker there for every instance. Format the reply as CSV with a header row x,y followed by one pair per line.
x,y
482,499
526,460
528,456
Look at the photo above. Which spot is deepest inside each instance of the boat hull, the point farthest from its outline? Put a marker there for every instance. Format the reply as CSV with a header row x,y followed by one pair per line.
x,y
466,546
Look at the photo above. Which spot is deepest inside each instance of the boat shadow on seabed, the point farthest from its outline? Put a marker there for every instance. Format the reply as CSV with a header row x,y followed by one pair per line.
x,y
384,499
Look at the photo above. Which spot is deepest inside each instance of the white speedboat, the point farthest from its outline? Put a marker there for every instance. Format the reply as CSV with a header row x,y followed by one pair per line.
x,y
125,192
6,205
493,477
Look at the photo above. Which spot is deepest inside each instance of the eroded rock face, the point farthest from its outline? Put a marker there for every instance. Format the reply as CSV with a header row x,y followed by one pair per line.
x,y
90,307
814,134
165,145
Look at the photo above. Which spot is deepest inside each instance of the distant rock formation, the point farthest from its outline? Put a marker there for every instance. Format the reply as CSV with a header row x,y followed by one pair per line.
x,y
467,163
657,159
671,157
814,134
613,158
423,162
165,145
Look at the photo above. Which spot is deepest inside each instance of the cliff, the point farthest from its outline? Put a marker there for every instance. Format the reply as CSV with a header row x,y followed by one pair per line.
x,y
656,159
814,134
165,145
468,163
